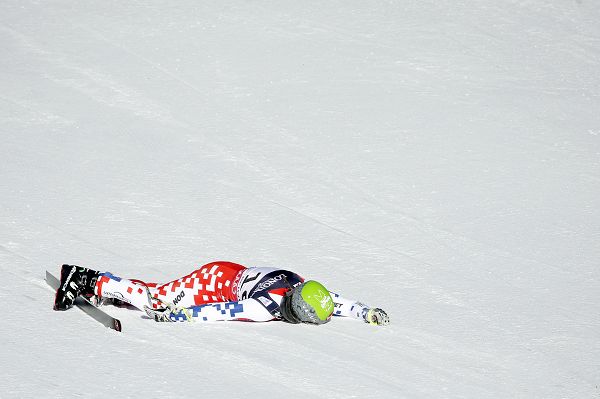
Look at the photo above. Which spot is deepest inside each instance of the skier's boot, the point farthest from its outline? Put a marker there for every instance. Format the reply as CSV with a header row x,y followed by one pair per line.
x,y
74,281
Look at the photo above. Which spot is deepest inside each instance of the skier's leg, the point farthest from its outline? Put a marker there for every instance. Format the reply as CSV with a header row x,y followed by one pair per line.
x,y
134,292
213,282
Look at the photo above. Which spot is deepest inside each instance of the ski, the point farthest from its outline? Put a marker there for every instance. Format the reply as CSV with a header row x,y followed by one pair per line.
x,y
85,305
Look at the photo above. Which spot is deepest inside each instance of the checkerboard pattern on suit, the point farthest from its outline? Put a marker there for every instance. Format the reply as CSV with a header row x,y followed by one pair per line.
x,y
212,311
210,283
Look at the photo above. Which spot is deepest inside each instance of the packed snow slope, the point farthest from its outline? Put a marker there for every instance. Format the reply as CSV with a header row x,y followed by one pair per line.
x,y
438,159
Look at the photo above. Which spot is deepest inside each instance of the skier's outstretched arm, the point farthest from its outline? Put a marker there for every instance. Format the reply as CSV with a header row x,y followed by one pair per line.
x,y
350,308
246,310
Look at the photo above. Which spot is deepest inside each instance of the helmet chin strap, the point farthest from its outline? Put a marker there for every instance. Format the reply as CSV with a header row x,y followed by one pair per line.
x,y
287,310
288,283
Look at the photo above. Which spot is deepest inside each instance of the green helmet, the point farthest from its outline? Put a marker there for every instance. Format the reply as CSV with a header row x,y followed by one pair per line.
x,y
310,302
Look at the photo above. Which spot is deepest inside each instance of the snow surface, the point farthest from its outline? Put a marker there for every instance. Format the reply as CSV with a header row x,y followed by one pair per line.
x,y
439,159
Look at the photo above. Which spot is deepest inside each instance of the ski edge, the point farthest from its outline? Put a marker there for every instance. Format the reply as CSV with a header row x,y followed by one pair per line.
x,y
85,305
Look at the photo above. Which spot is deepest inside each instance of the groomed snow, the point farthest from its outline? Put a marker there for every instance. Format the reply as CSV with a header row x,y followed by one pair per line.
x,y
439,159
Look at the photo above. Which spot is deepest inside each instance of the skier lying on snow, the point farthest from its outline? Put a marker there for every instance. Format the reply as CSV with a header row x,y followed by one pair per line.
x,y
218,291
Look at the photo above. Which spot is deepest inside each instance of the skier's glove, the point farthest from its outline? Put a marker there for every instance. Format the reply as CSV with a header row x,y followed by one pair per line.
x,y
163,315
377,317
168,314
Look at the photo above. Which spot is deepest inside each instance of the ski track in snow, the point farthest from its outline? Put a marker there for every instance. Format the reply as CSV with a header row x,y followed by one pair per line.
x,y
437,159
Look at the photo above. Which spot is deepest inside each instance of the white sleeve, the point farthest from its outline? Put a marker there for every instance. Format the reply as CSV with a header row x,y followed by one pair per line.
x,y
348,307
245,310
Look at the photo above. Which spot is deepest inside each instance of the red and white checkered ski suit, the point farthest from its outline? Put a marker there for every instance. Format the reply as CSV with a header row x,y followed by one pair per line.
x,y
218,291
